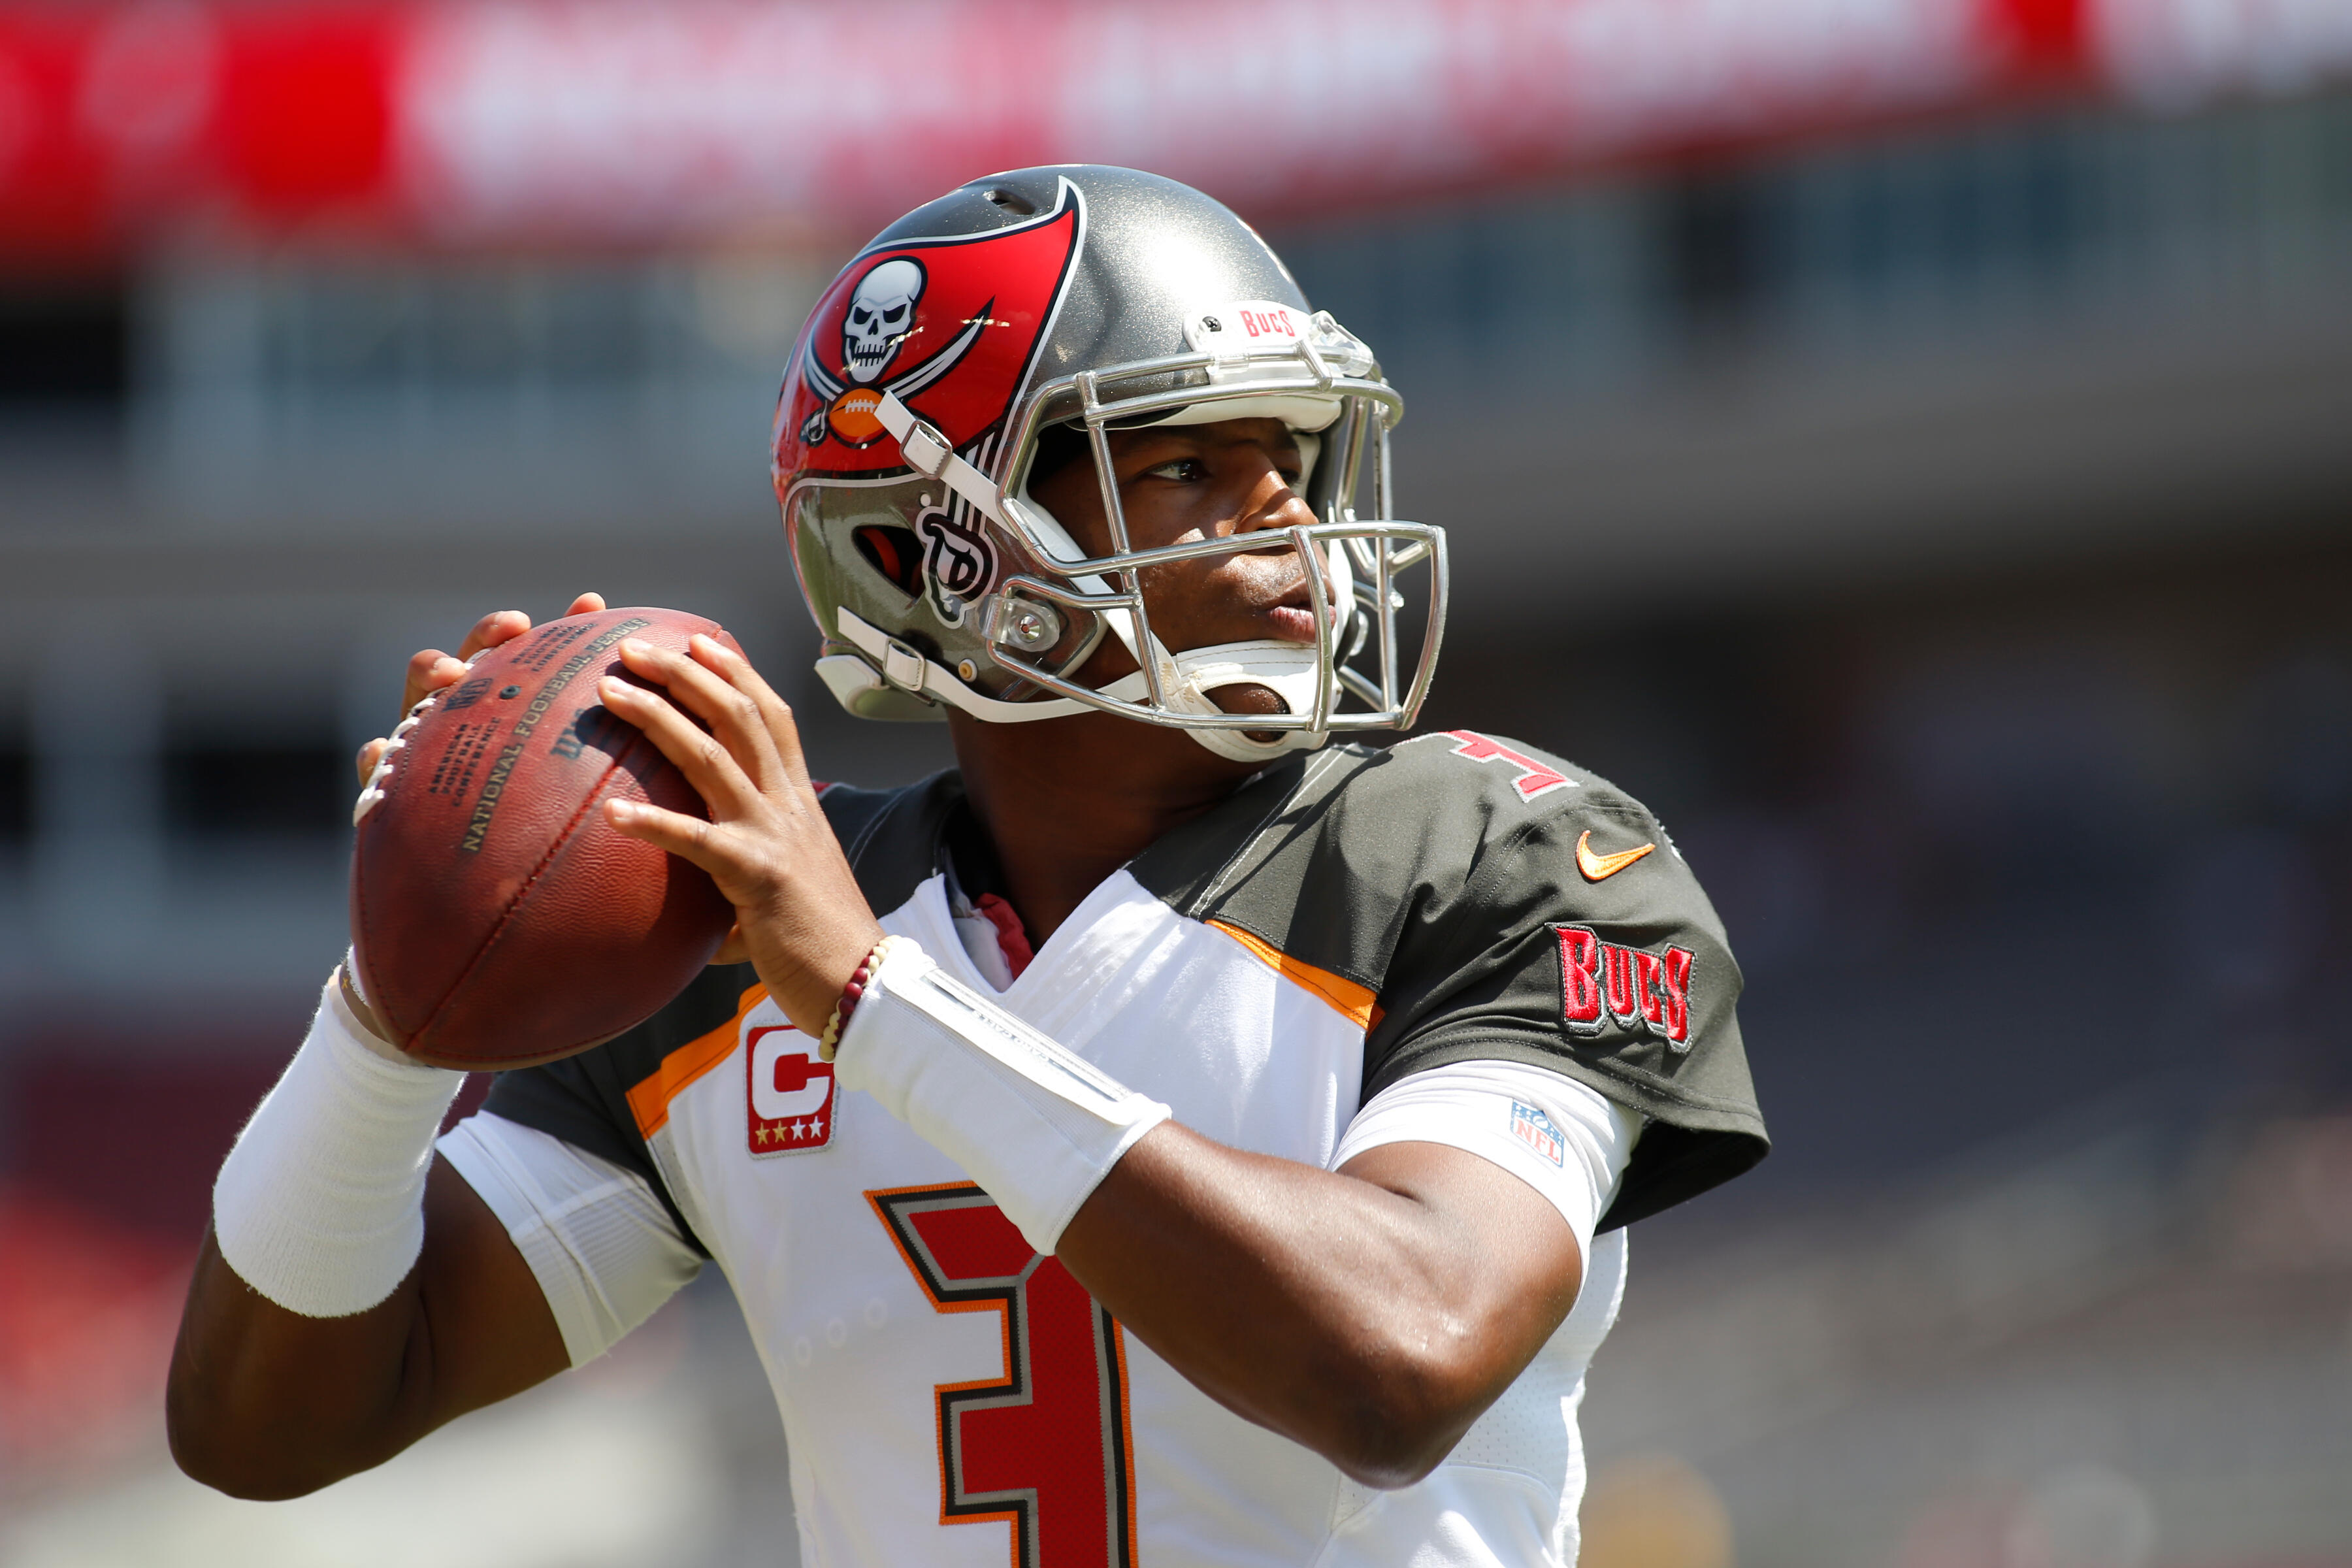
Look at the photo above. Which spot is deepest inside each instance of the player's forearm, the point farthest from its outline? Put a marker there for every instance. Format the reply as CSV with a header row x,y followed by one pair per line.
x,y
263,1403
1367,1319
1356,1319
268,1403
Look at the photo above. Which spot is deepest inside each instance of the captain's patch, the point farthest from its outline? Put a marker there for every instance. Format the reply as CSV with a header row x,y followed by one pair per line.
x,y
791,1094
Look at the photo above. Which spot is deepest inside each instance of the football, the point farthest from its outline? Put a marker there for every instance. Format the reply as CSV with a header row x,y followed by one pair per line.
x,y
497,919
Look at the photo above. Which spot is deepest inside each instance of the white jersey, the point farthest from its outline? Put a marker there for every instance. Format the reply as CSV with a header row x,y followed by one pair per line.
x,y
949,1396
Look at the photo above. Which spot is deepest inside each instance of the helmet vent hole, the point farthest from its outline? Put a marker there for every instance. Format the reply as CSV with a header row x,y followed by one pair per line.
x,y
1012,202
893,551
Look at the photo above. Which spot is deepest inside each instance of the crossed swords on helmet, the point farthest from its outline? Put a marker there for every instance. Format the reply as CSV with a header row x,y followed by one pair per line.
x,y
830,388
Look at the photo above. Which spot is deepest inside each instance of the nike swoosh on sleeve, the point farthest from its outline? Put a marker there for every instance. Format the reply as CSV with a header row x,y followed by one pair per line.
x,y
1597,867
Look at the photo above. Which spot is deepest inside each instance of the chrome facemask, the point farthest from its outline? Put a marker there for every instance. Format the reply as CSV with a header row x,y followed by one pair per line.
x,y
1319,380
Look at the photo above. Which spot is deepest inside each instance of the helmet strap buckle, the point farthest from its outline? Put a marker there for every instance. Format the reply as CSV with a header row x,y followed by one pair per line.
x,y
902,666
926,448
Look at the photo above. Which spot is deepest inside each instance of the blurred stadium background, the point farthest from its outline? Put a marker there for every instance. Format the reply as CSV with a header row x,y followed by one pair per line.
x,y
1910,442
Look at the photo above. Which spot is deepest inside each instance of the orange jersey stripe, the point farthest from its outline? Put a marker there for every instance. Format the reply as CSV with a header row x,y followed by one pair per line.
x,y
1352,1001
649,1097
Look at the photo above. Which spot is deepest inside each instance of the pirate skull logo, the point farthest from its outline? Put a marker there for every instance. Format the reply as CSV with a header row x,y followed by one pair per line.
x,y
881,318
944,329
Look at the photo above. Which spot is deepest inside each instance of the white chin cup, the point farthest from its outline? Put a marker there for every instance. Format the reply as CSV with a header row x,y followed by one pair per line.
x,y
1290,670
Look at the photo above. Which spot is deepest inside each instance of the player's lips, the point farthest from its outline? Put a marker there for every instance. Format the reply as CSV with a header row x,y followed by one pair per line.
x,y
1292,614
1292,623
1268,591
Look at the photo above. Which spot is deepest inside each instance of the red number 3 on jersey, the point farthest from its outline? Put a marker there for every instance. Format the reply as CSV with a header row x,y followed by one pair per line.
x,y
1045,1445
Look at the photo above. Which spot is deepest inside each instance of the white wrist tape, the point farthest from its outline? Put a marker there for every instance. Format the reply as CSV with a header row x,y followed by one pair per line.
x,y
320,1206
1036,1126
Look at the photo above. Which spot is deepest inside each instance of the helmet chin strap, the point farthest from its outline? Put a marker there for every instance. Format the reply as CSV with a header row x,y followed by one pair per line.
x,y
1288,670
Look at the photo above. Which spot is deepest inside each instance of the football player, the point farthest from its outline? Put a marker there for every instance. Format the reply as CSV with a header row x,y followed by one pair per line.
x,y
1178,1135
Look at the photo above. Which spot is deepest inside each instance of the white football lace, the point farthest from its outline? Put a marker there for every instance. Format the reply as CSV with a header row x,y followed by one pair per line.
x,y
373,791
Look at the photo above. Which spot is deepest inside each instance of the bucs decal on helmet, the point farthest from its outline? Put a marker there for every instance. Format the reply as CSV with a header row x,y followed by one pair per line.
x,y
958,562
881,317
951,326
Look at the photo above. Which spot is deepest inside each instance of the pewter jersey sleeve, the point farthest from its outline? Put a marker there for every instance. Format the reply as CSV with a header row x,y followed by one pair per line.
x,y
1495,903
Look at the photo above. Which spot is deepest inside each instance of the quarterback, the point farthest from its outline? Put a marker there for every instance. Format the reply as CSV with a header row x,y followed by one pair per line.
x,y
1181,1133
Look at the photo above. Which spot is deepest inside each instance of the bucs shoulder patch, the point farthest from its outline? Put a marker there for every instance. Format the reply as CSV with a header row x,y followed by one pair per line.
x,y
1602,983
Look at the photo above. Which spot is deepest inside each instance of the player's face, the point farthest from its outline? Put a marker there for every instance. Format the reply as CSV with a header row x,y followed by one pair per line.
x,y
1188,482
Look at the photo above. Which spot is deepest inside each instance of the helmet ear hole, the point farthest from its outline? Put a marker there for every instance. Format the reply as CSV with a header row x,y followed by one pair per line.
x,y
893,551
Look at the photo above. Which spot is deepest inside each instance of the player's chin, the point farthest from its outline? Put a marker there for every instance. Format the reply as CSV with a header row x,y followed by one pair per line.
x,y
1251,698
1248,697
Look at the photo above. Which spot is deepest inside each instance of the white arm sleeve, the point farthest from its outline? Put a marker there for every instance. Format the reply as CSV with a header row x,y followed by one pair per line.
x,y
604,1250
1549,1130
320,1206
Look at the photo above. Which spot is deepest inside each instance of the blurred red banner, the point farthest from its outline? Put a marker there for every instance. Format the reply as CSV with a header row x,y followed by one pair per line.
x,y
603,122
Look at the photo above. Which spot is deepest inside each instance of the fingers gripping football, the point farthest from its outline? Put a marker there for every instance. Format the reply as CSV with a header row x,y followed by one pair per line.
x,y
800,917
732,757
734,750
431,671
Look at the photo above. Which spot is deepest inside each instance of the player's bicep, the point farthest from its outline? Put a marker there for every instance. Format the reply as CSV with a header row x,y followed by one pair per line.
x,y
1520,1264
1559,1137
492,1334
1518,1161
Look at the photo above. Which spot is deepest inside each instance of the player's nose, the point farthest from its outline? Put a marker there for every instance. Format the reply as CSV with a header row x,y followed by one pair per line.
x,y
1271,501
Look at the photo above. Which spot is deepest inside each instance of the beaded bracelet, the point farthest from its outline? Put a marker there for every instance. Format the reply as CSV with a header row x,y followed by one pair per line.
x,y
873,960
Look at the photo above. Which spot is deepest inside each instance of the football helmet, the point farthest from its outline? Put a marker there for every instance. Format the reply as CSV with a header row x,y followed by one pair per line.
x,y
1091,299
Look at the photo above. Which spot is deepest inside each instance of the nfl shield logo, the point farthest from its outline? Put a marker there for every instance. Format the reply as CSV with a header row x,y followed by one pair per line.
x,y
1533,1127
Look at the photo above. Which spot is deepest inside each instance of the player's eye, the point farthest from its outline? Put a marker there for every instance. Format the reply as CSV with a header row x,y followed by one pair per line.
x,y
1184,470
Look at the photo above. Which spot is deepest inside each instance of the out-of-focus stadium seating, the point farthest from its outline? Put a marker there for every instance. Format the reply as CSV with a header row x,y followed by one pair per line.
x,y
1904,443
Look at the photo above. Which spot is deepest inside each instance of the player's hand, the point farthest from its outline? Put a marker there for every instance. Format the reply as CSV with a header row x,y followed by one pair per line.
x,y
800,917
431,669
